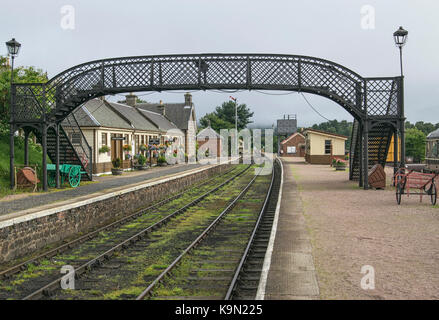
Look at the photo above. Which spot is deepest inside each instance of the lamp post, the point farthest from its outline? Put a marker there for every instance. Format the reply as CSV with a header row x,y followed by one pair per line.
x,y
400,37
13,47
236,121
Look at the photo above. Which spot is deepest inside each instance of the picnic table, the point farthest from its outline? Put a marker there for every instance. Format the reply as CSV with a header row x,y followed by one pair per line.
x,y
67,172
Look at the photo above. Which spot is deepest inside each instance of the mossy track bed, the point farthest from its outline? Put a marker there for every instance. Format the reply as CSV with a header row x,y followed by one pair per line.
x,y
129,273
47,270
207,271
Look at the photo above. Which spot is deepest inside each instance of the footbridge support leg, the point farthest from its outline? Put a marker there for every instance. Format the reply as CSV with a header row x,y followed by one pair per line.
x,y
57,177
44,164
365,155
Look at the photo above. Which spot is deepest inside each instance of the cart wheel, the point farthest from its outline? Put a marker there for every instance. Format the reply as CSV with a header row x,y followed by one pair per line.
x,y
433,193
74,176
51,179
399,192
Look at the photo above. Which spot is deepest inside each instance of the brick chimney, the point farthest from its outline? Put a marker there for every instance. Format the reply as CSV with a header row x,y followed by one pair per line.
x,y
188,99
162,108
131,99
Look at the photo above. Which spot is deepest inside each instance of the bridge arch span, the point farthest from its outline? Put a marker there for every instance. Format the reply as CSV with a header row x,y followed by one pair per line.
x,y
368,100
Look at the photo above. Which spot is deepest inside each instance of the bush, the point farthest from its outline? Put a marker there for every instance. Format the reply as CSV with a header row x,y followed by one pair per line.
x,y
116,163
161,159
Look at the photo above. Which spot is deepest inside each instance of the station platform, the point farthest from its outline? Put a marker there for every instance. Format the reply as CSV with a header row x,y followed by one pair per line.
x,y
29,203
289,272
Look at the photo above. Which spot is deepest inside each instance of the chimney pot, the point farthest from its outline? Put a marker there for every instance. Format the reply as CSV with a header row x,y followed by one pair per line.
x,y
162,109
131,99
188,99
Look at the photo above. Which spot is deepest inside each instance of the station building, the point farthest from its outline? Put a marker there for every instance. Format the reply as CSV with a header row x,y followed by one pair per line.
x,y
117,125
320,146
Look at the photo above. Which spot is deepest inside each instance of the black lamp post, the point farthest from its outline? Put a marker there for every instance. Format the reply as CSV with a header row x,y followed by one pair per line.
x,y
13,47
400,37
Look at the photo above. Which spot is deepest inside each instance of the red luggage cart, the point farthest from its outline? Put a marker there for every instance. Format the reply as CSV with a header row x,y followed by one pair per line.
x,y
408,181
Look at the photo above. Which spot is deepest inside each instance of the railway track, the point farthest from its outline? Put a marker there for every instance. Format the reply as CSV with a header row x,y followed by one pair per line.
x,y
227,223
245,283
155,216
225,260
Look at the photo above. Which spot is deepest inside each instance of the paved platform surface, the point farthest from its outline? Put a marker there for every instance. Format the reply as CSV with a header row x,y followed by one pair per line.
x,y
102,184
292,274
351,228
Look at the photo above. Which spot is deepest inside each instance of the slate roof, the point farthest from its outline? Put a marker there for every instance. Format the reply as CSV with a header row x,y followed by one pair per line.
x,y
434,134
96,113
159,120
100,113
178,113
134,117
208,132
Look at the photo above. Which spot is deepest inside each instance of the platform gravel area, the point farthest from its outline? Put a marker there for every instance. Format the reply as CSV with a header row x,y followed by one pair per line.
x,y
351,228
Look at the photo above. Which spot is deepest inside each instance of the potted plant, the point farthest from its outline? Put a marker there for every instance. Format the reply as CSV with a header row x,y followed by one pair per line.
x,y
126,147
161,161
340,165
116,170
141,160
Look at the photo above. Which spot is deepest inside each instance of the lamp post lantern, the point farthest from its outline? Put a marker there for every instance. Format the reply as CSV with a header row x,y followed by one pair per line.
x,y
400,37
13,47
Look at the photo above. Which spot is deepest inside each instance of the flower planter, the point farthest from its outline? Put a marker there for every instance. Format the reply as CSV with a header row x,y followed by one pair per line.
x,y
116,171
340,167
162,164
139,167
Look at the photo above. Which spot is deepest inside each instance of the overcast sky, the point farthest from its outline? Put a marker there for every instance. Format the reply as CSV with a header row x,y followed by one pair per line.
x,y
327,29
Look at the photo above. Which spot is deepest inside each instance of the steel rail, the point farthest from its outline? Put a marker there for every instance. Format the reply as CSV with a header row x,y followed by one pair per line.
x,y
251,240
48,254
130,241
202,236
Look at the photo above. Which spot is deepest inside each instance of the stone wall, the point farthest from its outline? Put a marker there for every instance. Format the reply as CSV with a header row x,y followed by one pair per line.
x,y
25,237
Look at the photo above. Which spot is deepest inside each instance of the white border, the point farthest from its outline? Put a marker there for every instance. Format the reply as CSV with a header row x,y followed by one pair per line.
x,y
260,295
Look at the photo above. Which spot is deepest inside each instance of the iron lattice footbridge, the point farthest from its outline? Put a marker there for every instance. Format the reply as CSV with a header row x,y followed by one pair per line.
x,y
46,108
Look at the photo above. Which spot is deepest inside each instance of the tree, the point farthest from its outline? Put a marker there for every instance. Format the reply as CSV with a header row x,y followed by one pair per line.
x,y
215,122
224,117
21,75
425,127
415,144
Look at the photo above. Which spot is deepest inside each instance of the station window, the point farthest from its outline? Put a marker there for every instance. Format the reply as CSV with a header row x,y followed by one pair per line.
x,y
104,139
328,146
